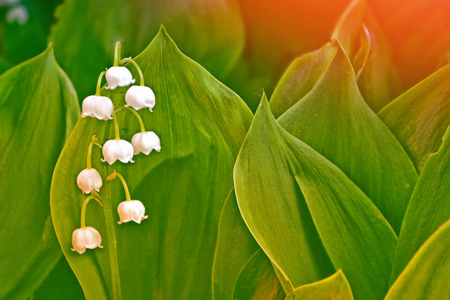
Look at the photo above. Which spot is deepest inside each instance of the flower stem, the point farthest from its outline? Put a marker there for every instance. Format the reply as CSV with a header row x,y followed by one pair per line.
x,y
83,209
117,53
132,61
89,152
99,83
138,117
115,174
116,126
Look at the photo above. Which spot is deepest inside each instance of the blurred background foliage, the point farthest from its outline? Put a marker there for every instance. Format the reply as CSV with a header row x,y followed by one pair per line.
x,y
246,44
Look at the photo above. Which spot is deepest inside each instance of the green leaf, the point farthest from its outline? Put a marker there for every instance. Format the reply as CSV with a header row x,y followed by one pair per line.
x,y
301,76
426,276
429,207
201,124
38,109
257,280
209,31
334,287
306,215
61,283
334,119
419,117
235,246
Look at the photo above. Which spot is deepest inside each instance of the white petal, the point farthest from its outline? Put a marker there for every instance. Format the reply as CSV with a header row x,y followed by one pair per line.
x,y
118,76
88,180
139,97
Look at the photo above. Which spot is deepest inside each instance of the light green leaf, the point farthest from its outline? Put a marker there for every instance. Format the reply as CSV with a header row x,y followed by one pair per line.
x,y
429,207
306,215
426,276
201,124
235,246
335,287
334,119
38,108
420,116
301,76
257,280
209,31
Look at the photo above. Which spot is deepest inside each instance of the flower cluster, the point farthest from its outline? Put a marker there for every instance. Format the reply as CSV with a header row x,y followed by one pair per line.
x,y
89,180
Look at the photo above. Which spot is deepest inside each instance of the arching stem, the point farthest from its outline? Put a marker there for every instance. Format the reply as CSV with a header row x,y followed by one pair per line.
x,y
138,117
132,61
115,174
89,152
99,83
83,209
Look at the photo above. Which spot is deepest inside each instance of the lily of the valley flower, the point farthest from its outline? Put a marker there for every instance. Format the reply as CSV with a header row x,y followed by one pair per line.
x,y
118,76
86,237
139,97
145,142
89,179
97,106
129,210
117,150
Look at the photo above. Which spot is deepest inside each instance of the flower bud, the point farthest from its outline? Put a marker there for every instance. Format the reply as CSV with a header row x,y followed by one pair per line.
x,y
132,210
118,76
89,180
117,150
87,237
139,97
145,142
99,107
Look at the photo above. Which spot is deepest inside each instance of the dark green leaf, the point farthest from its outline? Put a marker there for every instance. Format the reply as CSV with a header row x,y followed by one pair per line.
x,y
38,108
335,287
429,207
426,276
306,215
334,119
420,116
257,280
209,31
201,124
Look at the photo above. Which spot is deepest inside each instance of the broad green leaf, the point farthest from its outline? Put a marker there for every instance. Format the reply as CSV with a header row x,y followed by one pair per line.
x,y
334,119
38,108
420,116
335,287
257,280
353,35
301,76
61,283
426,276
209,31
429,207
235,246
307,216
201,124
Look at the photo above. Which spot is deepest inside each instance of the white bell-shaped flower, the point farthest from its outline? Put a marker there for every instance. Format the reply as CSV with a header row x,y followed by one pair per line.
x,y
118,76
131,210
139,97
99,107
117,150
87,237
145,142
89,180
